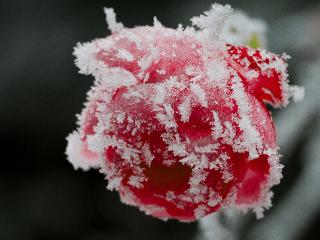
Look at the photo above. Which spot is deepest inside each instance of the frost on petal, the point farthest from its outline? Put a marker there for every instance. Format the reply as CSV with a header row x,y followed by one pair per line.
x,y
263,73
185,109
156,22
176,118
214,19
85,57
113,25
79,155
115,78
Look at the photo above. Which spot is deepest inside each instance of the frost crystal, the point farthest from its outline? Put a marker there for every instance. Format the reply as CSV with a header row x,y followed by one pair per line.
x,y
214,19
113,25
177,119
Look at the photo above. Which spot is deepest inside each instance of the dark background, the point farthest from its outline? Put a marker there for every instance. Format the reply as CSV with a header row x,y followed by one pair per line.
x,y
41,196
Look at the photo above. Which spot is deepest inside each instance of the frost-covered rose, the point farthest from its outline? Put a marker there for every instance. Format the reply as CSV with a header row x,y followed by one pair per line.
x,y
176,119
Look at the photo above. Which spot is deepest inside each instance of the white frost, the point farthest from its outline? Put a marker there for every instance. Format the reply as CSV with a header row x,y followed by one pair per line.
x,y
113,25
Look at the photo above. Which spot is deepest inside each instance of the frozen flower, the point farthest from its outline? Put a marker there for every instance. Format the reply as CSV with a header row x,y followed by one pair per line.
x,y
177,118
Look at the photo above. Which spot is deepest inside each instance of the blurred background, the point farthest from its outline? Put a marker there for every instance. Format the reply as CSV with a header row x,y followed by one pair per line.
x,y
42,197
